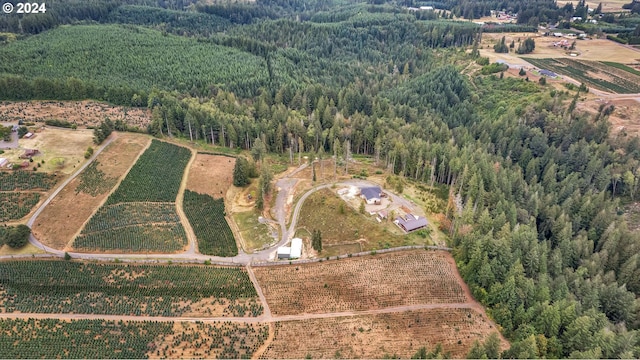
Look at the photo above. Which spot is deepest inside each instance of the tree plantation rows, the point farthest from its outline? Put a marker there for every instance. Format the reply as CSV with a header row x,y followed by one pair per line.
x,y
207,218
153,290
52,338
140,215
16,205
94,182
26,180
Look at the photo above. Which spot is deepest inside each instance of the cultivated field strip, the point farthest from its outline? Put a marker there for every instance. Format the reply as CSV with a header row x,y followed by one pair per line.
x,y
375,336
592,73
63,287
140,215
14,206
407,278
26,180
98,339
207,218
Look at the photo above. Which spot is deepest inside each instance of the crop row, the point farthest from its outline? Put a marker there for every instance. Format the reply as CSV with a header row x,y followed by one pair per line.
x,y
138,238
396,279
156,290
26,180
156,176
53,338
14,206
94,182
207,217
586,72
126,214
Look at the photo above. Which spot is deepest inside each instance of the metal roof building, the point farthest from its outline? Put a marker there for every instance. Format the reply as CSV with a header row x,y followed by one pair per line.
x,y
296,248
411,222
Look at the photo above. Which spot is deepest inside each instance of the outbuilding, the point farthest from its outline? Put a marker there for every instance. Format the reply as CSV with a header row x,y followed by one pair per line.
x,y
411,222
3,162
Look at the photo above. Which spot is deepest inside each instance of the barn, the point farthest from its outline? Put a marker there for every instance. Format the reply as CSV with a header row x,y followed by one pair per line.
x,y
291,252
371,195
411,222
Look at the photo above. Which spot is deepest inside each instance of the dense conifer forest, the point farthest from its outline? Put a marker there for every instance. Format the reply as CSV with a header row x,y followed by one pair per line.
x,y
537,188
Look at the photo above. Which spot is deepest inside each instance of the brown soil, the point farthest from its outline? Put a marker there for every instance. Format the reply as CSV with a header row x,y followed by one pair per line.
x,y
83,113
210,341
625,117
68,211
376,336
375,282
211,174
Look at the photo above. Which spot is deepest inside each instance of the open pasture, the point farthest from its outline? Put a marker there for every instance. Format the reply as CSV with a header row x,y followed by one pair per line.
x,y
60,150
366,283
211,174
140,215
155,290
399,335
55,338
73,206
82,113
207,218
595,74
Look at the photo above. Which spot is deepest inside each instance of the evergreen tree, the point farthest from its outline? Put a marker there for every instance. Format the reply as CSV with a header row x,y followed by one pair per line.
x,y
240,172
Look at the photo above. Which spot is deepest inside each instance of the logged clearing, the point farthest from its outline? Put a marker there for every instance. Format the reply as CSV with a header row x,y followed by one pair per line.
x,y
71,208
382,335
608,6
211,175
367,283
625,119
83,113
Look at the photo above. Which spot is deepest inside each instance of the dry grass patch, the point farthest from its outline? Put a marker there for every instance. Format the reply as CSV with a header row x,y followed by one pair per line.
x,y
70,209
87,113
210,341
383,335
211,174
372,282
61,149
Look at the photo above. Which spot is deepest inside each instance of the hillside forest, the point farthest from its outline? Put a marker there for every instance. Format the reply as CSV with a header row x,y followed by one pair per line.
x,y
537,189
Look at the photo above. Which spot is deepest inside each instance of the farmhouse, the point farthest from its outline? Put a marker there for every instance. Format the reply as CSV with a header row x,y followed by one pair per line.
x,y
411,222
292,252
29,153
371,194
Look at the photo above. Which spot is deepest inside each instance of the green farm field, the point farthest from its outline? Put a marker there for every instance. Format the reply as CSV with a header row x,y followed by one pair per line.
x,y
600,75
54,338
207,218
140,215
114,289
134,57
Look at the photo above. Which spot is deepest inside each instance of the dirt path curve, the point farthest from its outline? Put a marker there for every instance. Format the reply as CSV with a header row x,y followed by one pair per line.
x,y
35,215
191,236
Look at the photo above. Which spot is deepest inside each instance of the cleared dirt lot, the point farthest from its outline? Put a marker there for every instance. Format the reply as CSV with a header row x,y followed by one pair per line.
x,y
373,282
83,113
67,212
591,49
377,336
211,174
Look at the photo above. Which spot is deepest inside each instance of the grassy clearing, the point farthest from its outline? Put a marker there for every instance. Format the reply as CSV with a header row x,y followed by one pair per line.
x,y
340,224
255,234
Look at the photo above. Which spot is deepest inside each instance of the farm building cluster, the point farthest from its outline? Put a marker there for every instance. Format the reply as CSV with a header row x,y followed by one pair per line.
x,y
380,204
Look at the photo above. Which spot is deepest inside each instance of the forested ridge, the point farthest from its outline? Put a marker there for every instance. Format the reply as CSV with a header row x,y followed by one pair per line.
x,y
536,188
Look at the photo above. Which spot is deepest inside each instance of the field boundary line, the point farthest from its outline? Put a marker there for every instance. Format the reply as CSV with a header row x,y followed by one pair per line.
x,y
265,306
69,245
192,245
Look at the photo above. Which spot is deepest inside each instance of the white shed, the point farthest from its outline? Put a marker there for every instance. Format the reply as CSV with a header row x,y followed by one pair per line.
x,y
284,252
3,161
296,248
